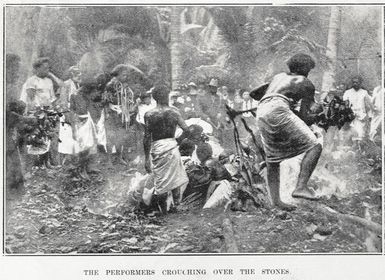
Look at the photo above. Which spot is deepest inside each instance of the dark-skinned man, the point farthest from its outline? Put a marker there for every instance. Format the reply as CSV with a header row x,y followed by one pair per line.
x,y
162,157
285,133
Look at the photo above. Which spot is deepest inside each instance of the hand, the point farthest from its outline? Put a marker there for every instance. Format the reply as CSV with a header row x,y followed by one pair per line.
x,y
231,112
147,166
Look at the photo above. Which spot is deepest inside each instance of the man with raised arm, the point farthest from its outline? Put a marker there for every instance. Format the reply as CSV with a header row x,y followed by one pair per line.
x,y
162,157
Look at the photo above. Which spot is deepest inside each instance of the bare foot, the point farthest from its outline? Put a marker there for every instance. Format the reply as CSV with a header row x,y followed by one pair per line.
x,y
305,193
284,206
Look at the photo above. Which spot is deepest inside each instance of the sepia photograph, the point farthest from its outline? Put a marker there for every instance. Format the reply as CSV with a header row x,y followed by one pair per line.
x,y
192,129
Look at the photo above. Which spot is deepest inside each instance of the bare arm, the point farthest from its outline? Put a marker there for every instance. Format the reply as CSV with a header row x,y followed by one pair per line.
x,y
181,123
305,112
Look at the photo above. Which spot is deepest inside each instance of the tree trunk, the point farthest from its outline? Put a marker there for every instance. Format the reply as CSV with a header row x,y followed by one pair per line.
x,y
176,59
328,78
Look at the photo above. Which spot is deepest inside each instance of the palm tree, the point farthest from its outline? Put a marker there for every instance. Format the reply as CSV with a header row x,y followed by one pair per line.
x,y
328,79
175,41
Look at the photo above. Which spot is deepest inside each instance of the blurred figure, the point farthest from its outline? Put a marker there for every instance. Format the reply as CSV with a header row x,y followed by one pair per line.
x,y
67,145
250,118
226,98
191,100
120,101
375,125
12,76
211,107
146,104
238,100
361,104
87,122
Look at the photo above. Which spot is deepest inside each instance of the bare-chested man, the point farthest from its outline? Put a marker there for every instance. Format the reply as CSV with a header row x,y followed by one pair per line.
x,y
285,133
162,156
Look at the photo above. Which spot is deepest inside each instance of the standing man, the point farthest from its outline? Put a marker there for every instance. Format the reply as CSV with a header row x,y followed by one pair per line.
x,y
38,91
71,86
285,133
162,156
120,101
212,109
375,125
87,121
361,104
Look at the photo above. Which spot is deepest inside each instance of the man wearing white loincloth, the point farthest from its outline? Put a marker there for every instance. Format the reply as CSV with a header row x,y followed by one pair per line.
x,y
285,133
162,157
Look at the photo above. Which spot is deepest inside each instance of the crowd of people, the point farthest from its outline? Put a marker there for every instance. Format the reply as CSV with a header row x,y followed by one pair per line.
x,y
192,136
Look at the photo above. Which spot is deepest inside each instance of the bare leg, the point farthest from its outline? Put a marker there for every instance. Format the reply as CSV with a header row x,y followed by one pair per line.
x,y
308,165
273,182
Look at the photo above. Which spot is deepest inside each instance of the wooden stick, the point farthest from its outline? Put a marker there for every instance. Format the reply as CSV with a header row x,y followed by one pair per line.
x,y
370,225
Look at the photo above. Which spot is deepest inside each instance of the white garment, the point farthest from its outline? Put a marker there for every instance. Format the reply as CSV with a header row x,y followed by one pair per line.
x,y
67,143
247,105
360,102
143,109
89,134
44,95
361,105
377,101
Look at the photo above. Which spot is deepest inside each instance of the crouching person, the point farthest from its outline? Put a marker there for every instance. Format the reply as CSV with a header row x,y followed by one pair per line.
x,y
162,157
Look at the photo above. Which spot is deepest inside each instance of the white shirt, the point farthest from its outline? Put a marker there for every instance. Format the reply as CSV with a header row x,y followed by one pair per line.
x,y
249,104
360,102
44,91
143,109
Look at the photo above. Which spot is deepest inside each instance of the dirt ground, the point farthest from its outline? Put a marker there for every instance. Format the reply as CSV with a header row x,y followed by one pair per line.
x,y
60,215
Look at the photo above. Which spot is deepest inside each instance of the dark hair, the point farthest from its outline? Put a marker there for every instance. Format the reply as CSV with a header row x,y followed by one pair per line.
x,y
39,62
160,94
298,61
186,147
241,91
88,86
204,152
357,77
144,94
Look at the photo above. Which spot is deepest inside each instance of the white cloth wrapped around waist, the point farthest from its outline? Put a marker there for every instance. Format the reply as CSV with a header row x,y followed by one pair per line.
x,y
89,134
67,143
168,169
